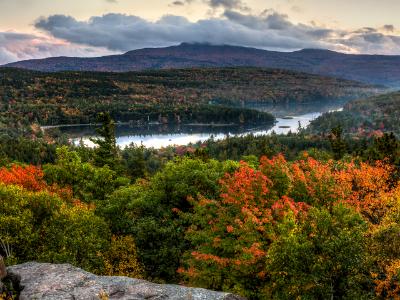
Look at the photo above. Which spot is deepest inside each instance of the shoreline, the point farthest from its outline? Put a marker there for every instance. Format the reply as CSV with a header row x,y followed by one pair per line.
x,y
45,127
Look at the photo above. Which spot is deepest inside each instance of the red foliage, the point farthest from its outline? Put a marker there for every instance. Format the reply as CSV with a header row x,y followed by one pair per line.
x,y
28,177
31,178
236,230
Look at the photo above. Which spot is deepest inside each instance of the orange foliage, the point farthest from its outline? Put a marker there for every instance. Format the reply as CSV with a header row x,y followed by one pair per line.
x,y
388,287
28,177
318,183
31,178
242,223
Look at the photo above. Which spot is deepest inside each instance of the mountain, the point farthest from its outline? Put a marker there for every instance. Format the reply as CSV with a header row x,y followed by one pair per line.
x,y
376,69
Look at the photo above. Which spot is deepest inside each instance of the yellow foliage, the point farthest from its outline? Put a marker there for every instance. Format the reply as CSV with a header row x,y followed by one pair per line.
x,y
389,286
121,258
385,247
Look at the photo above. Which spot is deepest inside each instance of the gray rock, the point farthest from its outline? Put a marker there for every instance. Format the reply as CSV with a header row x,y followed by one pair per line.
x,y
64,281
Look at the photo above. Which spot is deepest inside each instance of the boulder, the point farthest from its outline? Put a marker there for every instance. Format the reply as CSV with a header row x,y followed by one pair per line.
x,y
64,281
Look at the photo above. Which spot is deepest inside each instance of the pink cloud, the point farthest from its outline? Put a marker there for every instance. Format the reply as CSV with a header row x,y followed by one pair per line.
x,y
16,46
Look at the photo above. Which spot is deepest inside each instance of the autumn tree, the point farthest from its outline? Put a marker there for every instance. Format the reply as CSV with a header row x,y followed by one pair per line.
x,y
231,235
322,256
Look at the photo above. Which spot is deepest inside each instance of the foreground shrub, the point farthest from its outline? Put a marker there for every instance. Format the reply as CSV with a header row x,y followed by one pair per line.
x,y
40,226
231,235
323,256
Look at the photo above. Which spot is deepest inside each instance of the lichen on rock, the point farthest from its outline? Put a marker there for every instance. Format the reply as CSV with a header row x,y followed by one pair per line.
x,y
64,281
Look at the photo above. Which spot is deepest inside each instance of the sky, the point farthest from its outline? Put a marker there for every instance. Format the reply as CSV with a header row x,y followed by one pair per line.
x,y
43,28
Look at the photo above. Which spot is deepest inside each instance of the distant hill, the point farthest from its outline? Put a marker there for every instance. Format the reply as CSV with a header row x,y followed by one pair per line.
x,y
184,95
376,69
364,116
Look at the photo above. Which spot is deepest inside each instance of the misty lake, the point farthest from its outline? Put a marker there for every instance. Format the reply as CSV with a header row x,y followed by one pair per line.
x,y
288,118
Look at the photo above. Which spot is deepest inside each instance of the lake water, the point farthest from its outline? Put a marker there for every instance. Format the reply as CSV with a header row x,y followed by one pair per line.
x,y
157,136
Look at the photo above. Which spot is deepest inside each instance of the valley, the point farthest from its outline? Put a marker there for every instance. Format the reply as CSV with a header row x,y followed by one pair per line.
x,y
29,99
263,183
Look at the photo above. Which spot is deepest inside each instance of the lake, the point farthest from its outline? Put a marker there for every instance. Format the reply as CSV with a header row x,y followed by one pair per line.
x,y
157,136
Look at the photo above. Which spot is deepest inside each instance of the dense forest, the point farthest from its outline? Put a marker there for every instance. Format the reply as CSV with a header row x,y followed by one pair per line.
x,y
180,96
293,216
364,116
296,216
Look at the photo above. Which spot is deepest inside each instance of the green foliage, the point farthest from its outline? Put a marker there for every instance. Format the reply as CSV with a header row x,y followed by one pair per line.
x,y
364,116
321,257
338,145
40,226
106,152
88,183
385,147
134,160
237,148
121,258
150,211
26,150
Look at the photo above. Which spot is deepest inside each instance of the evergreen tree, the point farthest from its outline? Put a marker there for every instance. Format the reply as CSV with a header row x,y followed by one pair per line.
x,y
107,152
385,147
135,161
338,145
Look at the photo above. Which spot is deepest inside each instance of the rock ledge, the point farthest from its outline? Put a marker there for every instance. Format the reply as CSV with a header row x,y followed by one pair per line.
x,y
64,281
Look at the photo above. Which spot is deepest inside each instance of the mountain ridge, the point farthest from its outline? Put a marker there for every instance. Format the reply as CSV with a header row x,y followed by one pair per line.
x,y
374,69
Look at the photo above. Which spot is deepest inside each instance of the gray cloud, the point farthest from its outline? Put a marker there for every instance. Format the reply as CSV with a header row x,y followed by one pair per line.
x,y
227,4
269,30
215,4
178,3
115,33
124,32
389,28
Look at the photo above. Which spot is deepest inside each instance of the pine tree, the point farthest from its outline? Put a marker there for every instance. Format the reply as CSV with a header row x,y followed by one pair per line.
x,y
338,145
107,152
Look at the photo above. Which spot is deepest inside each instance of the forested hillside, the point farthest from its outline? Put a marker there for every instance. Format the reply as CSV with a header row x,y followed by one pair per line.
x,y
376,69
364,116
28,97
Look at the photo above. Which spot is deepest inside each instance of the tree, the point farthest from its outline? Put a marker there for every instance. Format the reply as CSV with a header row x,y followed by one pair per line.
x,y
88,183
150,211
107,152
323,256
385,147
41,226
231,234
338,145
134,161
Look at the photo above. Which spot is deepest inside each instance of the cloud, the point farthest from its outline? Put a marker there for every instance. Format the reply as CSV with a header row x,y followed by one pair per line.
x,y
227,4
115,33
268,30
182,2
178,3
389,28
20,46
216,4
126,32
